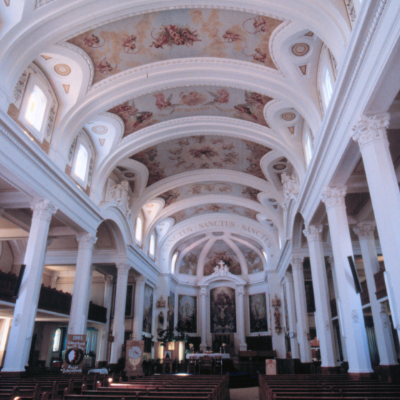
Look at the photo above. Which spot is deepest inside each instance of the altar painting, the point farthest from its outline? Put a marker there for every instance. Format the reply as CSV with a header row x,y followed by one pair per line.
x,y
187,313
223,310
258,313
148,309
171,310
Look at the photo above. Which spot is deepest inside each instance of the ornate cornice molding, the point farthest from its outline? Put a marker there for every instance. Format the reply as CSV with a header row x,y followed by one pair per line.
x,y
86,240
365,229
371,128
334,196
314,233
43,209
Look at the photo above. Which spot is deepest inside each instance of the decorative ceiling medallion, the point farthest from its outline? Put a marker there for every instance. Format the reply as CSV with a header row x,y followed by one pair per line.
x,y
66,88
303,69
311,34
100,129
288,116
291,129
279,167
129,175
102,142
62,69
45,57
300,49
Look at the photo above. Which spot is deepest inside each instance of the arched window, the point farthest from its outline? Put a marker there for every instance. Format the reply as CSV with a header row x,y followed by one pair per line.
x,y
152,245
328,86
81,162
173,261
308,147
139,230
57,340
265,255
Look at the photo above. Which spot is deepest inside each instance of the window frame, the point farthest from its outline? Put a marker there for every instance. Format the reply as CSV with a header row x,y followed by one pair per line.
x,y
80,141
34,81
139,242
153,237
174,260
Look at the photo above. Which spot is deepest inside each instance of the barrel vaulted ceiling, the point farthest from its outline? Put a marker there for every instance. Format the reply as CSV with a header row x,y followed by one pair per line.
x,y
200,107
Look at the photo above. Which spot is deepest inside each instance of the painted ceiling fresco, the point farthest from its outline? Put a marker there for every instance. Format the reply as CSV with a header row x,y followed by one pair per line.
x,y
176,103
187,243
174,34
201,152
188,264
253,260
186,191
246,239
220,251
213,208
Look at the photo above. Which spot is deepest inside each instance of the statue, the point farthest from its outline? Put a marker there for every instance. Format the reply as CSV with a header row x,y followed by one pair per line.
x,y
120,194
290,188
277,318
221,269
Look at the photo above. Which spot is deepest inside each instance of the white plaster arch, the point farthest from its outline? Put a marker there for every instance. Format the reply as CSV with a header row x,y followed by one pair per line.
x,y
233,280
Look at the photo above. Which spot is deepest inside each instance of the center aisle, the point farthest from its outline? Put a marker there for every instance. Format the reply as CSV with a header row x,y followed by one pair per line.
x,y
244,394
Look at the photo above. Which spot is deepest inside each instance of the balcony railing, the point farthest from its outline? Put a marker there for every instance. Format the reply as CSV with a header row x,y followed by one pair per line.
x,y
50,299
380,285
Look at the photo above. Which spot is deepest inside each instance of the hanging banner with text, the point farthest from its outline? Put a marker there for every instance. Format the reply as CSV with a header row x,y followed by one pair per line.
x,y
74,354
134,357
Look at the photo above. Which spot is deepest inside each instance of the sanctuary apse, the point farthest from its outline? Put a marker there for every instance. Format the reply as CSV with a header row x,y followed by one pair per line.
x,y
209,167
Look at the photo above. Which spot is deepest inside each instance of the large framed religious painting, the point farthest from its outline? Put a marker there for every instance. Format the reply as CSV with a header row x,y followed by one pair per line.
x,y
171,310
187,313
148,309
222,310
258,313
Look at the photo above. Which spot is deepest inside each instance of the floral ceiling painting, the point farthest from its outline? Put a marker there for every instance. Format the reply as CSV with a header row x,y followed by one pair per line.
x,y
220,251
201,152
181,102
173,34
214,208
253,259
196,189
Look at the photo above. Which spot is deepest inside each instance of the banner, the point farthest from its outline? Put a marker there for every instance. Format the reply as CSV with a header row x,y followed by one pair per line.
x,y
134,357
74,354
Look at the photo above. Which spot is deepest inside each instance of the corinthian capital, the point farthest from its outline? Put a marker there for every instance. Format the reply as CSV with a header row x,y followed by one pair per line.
x,y
297,262
123,269
334,196
313,233
43,209
86,240
365,229
371,128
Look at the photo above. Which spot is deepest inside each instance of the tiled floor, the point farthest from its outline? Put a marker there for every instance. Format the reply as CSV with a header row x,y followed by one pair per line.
x,y
244,394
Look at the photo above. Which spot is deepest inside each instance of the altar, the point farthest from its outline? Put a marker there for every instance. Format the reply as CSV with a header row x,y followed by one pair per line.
x,y
213,355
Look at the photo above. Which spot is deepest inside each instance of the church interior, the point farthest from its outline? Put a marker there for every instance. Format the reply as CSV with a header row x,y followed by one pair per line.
x,y
194,188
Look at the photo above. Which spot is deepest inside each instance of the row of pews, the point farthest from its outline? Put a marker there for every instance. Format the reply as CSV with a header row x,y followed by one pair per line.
x,y
159,387
102,387
329,387
48,387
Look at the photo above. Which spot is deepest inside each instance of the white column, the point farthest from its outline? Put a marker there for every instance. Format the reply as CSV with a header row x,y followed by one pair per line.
x,y
349,309
240,325
301,310
386,349
82,285
294,345
323,317
108,285
336,290
119,312
139,299
25,308
370,133
204,320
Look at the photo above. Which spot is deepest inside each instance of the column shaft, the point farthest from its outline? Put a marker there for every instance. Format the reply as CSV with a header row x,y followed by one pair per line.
x,y
241,325
294,345
203,297
349,309
384,338
26,306
82,285
139,299
119,312
323,317
301,310
106,329
385,196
